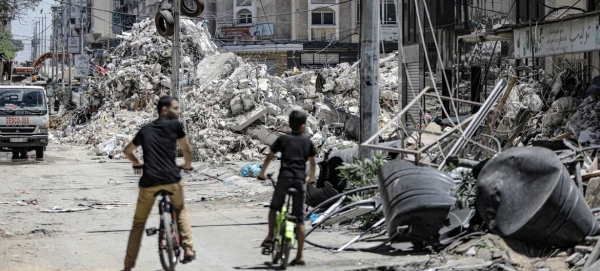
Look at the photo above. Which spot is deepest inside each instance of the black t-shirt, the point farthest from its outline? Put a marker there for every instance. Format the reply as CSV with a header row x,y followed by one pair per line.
x,y
295,150
159,143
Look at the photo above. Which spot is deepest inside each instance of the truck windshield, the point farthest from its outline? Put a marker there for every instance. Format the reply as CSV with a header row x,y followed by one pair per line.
x,y
23,101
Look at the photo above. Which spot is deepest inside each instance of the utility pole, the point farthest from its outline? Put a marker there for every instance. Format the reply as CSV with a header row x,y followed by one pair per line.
x,y
45,47
369,72
54,56
63,39
34,43
400,19
175,53
70,58
39,38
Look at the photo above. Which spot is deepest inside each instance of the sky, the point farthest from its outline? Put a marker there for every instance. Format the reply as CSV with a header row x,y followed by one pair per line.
x,y
23,29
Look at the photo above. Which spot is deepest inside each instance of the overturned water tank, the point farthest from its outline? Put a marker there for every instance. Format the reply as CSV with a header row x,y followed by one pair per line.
x,y
416,197
527,194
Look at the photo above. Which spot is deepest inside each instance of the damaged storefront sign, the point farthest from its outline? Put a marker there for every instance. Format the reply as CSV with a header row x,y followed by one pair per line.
x,y
243,31
577,35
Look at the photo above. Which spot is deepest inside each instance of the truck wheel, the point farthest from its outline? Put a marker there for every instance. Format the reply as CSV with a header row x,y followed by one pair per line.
x,y
39,152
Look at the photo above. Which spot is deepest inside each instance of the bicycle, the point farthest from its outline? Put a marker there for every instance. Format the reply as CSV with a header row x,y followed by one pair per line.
x,y
169,246
285,231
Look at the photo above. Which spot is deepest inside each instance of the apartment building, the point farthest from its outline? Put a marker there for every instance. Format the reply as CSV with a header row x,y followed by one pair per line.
x,y
298,33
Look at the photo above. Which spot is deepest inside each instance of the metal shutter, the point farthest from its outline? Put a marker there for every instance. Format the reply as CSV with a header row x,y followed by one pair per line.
x,y
414,76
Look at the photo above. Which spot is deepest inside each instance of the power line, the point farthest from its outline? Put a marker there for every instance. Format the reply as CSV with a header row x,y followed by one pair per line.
x,y
264,16
267,19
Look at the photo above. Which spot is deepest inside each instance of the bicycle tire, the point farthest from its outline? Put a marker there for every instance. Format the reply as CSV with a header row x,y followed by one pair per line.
x,y
161,246
286,247
170,262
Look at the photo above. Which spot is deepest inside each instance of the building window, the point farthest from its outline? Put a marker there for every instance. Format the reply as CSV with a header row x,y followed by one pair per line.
x,y
244,17
387,12
319,59
244,3
323,16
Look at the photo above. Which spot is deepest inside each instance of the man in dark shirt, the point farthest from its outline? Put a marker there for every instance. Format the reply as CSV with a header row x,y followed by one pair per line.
x,y
295,150
159,140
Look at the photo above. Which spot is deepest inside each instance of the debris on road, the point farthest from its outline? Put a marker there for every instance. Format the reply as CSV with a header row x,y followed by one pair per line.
x,y
251,170
27,202
59,209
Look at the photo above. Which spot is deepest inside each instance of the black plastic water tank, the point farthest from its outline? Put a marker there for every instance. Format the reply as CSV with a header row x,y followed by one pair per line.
x,y
526,193
418,197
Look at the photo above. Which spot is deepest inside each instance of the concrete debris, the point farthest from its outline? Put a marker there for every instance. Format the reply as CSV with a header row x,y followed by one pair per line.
x,y
225,100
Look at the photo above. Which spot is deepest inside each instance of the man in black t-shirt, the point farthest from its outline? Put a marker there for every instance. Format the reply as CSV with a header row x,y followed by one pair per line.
x,y
159,171
295,150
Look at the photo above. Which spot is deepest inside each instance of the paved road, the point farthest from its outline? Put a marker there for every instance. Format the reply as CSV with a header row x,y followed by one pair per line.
x,y
228,225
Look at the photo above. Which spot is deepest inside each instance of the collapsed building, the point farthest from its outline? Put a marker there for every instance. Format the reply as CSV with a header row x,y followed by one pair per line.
x,y
233,109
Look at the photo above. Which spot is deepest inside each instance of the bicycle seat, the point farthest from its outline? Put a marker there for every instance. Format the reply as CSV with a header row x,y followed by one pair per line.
x,y
163,193
291,191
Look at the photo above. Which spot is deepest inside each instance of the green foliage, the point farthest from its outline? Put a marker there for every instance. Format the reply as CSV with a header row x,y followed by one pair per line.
x,y
352,173
19,45
465,191
7,46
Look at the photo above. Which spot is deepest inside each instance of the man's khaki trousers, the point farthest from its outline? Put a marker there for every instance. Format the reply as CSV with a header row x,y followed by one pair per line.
x,y
142,210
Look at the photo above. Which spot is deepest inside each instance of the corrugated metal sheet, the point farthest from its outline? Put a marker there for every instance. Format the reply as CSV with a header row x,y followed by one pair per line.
x,y
413,88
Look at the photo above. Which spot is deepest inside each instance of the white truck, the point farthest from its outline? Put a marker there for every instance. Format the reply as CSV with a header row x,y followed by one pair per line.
x,y
24,120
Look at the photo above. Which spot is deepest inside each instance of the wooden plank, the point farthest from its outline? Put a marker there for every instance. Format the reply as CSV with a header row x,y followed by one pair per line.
x,y
590,175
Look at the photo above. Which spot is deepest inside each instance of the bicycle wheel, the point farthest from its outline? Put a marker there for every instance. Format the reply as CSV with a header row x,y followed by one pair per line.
x,y
168,260
286,247
275,254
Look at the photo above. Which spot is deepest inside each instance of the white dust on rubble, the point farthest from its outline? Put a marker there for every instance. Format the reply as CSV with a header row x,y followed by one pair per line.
x,y
233,109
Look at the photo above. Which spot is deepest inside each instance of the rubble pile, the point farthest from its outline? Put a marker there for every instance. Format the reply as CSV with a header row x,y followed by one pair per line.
x,y
558,106
232,109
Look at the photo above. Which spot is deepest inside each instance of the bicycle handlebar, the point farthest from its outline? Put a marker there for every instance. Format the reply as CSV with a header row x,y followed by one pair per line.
x,y
269,177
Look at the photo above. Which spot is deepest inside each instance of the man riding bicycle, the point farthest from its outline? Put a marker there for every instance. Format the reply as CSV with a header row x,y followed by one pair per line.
x,y
159,171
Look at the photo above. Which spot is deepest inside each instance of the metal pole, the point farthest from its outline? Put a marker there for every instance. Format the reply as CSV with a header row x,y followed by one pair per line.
x,y
478,118
34,44
39,42
63,38
369,69
45,41
81,44
54,56
175,53
400,19
70,59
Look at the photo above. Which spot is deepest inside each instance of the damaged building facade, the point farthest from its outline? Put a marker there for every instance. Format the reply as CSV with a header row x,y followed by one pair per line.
x,y
298,34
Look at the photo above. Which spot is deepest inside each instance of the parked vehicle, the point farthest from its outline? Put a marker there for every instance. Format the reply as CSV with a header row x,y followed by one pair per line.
x,y
24,120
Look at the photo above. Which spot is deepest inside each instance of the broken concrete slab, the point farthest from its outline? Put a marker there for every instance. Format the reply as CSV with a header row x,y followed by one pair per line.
x,y
263,135
251,117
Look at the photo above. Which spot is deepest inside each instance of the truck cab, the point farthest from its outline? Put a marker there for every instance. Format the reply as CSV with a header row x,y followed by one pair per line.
x,y
24,120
